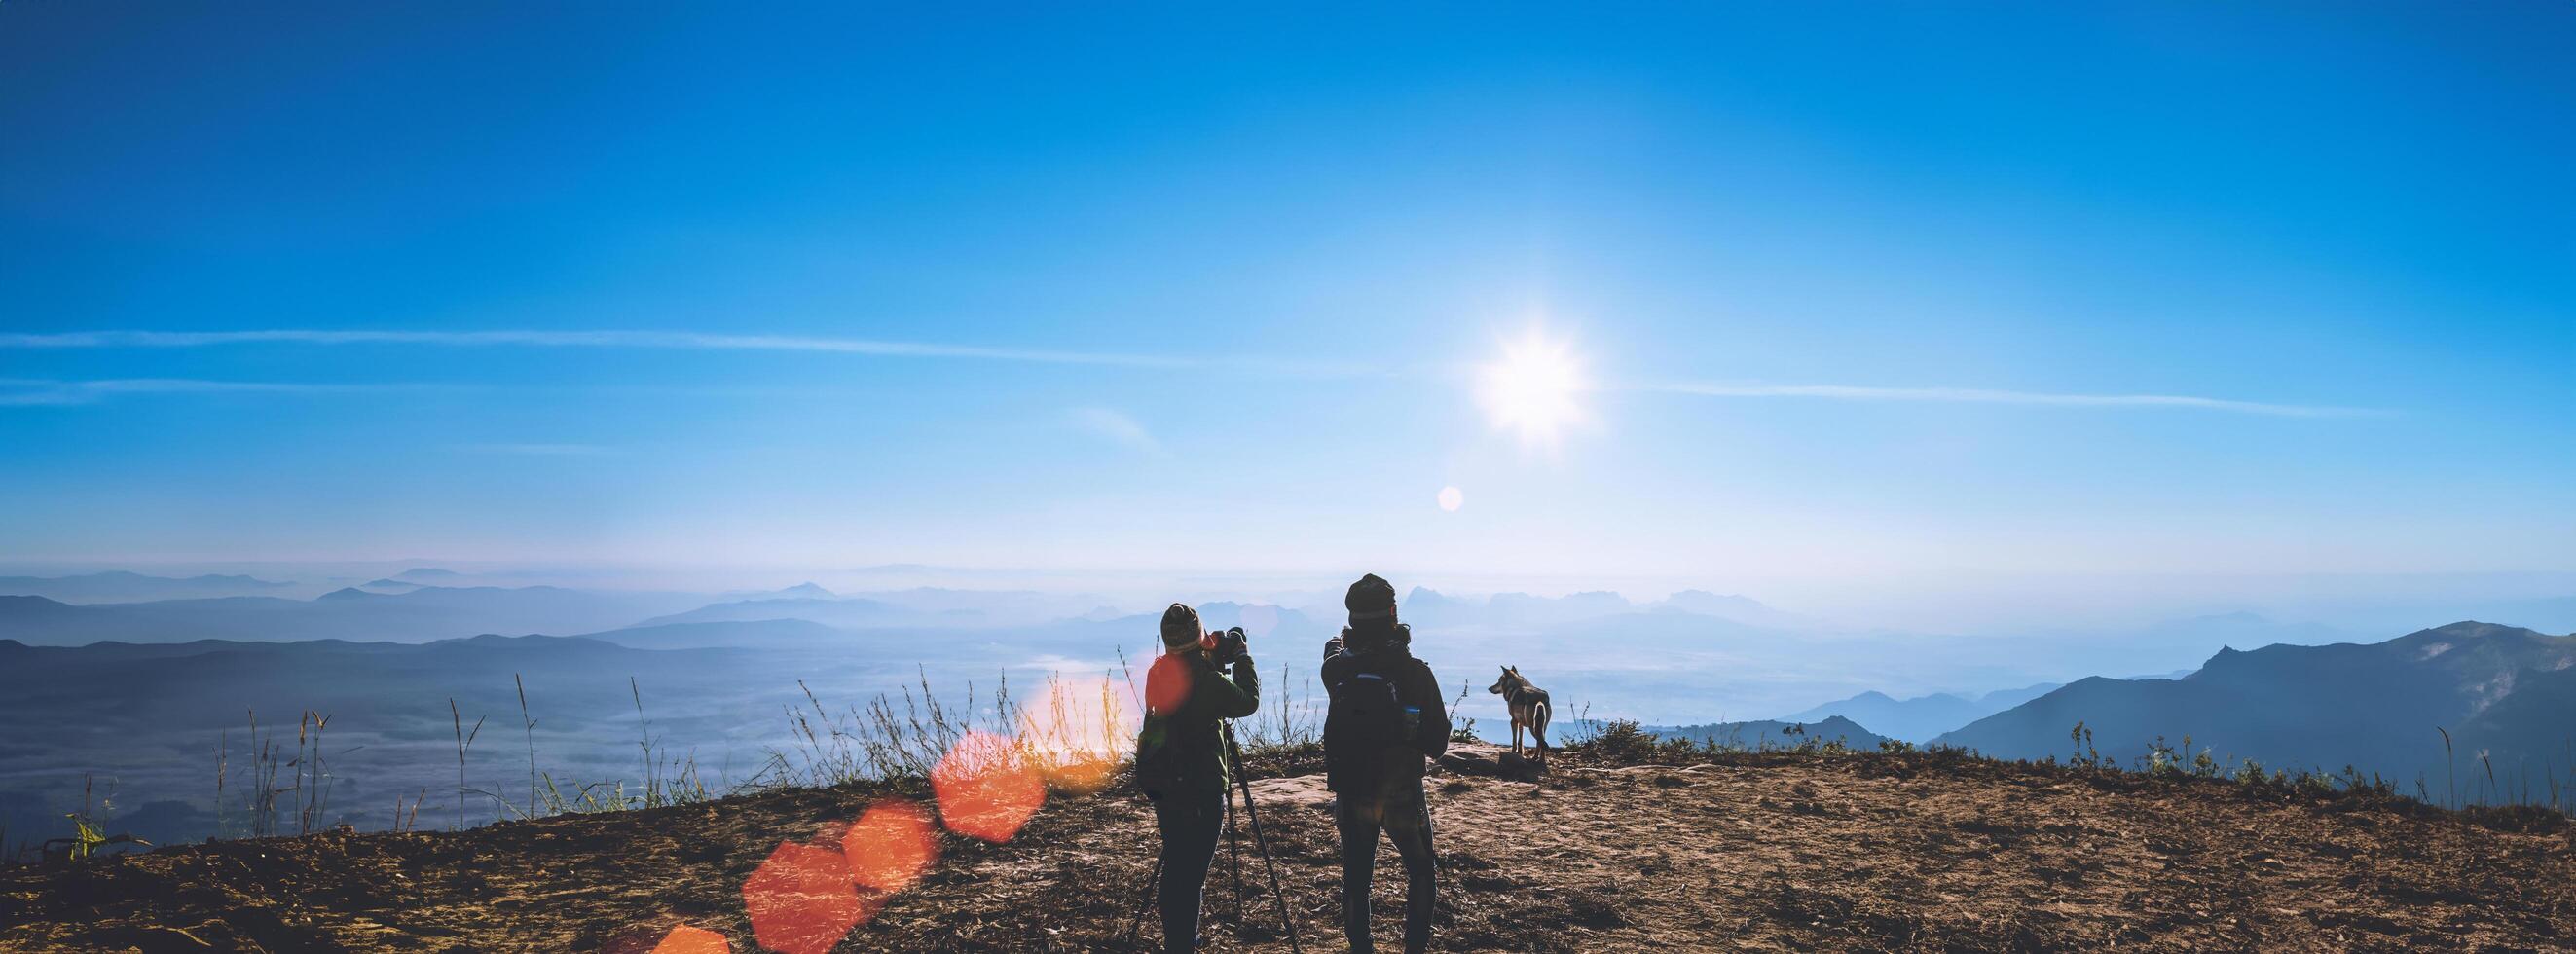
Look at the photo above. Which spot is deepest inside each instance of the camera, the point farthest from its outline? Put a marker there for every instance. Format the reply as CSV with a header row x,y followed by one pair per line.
x,y
1225,647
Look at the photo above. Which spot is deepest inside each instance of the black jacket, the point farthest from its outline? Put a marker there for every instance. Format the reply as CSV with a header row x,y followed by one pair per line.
x,y
1179,750
1414,686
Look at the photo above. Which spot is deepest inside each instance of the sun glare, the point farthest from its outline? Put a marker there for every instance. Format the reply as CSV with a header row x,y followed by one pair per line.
x,y
1532,388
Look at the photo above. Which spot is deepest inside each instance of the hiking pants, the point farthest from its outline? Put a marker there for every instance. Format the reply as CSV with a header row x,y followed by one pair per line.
x,y
1407,822
1190,823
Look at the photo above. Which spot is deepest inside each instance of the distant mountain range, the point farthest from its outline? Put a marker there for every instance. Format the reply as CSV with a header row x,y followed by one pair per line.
x,y
1428,607
118,586
1921,718
756,633
416,615
2506,690
845,613
918,607
1768,733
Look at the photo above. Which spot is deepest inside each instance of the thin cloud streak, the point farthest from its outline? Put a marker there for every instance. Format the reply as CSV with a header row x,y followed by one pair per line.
x,y
539,450
24,392
1843,392
1118,428
678,340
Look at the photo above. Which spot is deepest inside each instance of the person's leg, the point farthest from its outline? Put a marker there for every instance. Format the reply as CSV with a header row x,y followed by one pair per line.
x,y
1409,827
1359,825
1189,823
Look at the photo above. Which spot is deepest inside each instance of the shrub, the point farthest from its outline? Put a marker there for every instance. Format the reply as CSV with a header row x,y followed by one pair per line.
x,y
1621,742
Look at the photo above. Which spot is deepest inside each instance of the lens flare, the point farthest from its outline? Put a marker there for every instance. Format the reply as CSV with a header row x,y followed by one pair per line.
x,y
1451,499
1532,388
687,939
1077,733
1167,683
986,788
680,939
803,900
890,846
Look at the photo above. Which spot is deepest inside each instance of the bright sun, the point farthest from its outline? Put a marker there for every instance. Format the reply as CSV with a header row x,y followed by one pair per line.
x,y
1532,389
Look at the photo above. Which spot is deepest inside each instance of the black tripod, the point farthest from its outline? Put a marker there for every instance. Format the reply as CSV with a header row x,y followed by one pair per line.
x,y
1234,760
1260,844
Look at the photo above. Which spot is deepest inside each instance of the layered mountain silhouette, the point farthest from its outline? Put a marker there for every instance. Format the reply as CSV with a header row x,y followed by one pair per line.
x,y
424,613
119,586
2504,690
836,611
1773,733
1428,607
1921,718
917,607
749,634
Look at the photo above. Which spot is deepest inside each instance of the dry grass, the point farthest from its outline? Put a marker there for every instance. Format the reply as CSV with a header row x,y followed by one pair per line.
x,y
1753,851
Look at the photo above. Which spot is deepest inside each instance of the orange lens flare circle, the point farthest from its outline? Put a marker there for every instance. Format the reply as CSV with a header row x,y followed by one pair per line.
x,y
803,900
986,788
1167,683
688,939
891,846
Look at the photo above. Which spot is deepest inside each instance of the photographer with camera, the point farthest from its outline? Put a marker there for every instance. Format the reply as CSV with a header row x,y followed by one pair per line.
x,y
1384,720
1180,757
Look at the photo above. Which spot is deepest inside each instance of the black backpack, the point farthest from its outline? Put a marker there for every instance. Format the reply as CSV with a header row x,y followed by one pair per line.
x,y
1156,770
1365,719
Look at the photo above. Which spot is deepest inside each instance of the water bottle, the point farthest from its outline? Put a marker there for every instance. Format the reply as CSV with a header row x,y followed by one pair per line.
x,y
1412,722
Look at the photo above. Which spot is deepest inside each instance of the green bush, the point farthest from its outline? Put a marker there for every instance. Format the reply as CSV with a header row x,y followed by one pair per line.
x,y
1621,742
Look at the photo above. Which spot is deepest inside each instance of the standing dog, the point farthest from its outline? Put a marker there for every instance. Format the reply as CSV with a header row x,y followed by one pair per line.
x,y
1529,708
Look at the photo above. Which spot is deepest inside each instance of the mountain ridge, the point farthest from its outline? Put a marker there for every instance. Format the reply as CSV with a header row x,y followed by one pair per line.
x,y
2365,704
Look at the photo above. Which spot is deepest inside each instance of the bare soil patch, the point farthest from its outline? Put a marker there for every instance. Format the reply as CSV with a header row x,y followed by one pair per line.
x,y
1753,852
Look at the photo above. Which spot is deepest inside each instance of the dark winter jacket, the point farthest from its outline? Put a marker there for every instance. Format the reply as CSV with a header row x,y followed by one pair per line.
x,y
1414,686
1179,749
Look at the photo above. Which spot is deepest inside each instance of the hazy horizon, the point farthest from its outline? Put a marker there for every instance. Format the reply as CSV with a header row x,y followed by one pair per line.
x,y
2370,606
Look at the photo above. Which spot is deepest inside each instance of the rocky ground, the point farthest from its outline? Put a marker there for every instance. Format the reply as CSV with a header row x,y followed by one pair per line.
x,y
1746,851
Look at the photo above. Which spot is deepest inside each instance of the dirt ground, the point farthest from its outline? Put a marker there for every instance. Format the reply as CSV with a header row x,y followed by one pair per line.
x,y
1744,852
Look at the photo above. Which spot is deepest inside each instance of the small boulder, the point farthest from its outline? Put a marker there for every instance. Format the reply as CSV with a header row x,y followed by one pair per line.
x,y
1493,761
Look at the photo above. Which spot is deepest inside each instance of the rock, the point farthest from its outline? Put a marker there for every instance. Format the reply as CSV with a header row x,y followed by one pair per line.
x,y
1493,761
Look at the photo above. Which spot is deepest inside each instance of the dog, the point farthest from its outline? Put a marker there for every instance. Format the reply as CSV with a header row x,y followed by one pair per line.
x,y
1529,707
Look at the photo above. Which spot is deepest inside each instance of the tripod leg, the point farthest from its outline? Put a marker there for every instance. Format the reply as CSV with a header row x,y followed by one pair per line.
x,y
1234,755
1153,891
1234,853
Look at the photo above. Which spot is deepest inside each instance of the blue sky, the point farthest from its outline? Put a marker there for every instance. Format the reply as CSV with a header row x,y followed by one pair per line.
x,y
1858,291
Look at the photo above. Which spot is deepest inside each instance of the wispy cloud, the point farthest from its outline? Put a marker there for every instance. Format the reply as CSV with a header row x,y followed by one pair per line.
x,y
539,450
1845,392
577,339
676,340
1117,427
44,391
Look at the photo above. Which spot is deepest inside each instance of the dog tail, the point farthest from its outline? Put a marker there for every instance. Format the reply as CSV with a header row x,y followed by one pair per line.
x,y
1541,711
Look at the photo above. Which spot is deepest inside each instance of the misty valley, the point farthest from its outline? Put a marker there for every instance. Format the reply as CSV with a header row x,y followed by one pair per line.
x,y
450,701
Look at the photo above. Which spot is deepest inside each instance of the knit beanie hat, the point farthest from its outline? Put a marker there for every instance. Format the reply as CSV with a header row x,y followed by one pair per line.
x,y
1180,626
1371,600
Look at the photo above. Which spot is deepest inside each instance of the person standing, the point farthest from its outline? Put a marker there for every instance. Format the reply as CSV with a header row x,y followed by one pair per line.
x,y
1180,757
1383,721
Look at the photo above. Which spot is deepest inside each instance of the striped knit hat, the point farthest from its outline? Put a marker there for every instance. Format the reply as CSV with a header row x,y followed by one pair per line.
x,y
1180,626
